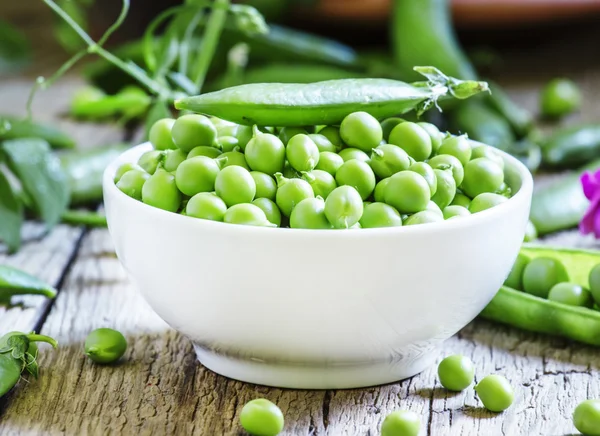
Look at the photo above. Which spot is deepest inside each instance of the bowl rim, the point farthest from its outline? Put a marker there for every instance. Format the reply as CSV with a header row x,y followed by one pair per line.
x,y
110,189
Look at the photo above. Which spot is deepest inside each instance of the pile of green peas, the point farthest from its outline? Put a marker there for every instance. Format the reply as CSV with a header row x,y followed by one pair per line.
x,y
360,174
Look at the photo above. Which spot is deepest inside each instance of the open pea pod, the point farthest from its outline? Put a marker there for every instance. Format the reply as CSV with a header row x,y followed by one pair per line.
x,y
17,282
528,312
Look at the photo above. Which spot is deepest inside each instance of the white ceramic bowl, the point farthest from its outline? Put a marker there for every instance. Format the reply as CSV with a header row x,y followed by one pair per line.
x,y
316,308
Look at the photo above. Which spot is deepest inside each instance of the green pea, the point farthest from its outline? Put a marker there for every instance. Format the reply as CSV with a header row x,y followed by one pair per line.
x,y
160,191
266,153
203,150
586,417
290,192
173,159
329,162
515,277
379,193
220,123
357,174
260,417
227,143
461,200
322,143
413,139
495,392
434,133
192,130
594,280
265,185
571,294
131,183
128,166
456,372
333,134
560,97
197,174
247,214
407,191
302,153
433,207
457,146
361,130
270,209
487,152
423,217
321,182
387,160
379,215
445,161
425,170
401,423
485,201
288,133
388,125
235,158
244,135
455,211
354,153
541,274
343,207
160,134
227,130
206,205
446,188
105,345
150,160
482,175
531,233
235,185
310,214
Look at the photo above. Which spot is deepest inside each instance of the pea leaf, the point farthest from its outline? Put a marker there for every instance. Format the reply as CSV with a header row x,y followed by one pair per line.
x,y
11,215
41,176
15,50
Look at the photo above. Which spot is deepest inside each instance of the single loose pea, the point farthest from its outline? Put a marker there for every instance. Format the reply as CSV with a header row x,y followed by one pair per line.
x,y
287,133
192,130
515,277
290,192
227,143
495,392
586,417
127,166
357,174
244,135
379,193
423,217
261,417
354,153
487,152
105,345
457,146
321,182
160,134
433,207
323,143
445,161
413,139
235,158
266,187
455,211
132,182
456,372
434,133
235,185
361,130
485,201
197,174
482,175
379,215
428,174
206,205
203,150
266,153
407,191
310,214
344,207
329,162
150,160
172,159
270,209
541,274
387,160
333,134
531,233
247,214
560,97
461,199
571,294
160,191
594,280
302,153
401,423
446,188
388,125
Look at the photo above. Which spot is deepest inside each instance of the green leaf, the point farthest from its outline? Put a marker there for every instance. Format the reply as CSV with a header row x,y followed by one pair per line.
x,y
15,50
40,173
158,110
11,215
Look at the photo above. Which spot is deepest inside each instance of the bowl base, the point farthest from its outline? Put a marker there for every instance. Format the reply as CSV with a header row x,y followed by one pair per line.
x,y
288,375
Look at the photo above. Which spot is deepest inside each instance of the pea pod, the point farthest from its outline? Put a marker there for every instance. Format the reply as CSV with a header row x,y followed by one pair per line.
x,y
519,119
14,128
560,204
528,312
326,103
17,282
83,217
572,146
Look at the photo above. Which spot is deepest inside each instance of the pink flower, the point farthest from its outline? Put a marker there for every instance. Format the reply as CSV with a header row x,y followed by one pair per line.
x,y
591,189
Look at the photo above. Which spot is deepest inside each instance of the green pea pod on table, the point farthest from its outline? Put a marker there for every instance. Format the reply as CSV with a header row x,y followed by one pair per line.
x,y
528,312
572,146
16,282
519,119
326,103
15,128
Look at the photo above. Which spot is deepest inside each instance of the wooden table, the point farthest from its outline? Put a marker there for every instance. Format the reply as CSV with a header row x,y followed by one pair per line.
x,y
160,388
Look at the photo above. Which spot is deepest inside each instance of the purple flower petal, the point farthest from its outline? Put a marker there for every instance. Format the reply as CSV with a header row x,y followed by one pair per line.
x,y
591,220
591,184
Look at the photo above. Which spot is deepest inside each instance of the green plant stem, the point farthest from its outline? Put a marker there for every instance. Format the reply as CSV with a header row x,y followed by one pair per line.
x,y
33,337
